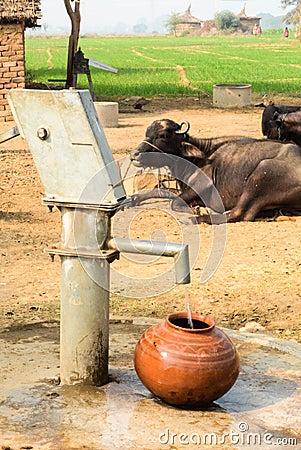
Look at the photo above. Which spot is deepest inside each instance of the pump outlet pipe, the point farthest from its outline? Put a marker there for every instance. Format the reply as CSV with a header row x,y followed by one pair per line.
x,y
159,248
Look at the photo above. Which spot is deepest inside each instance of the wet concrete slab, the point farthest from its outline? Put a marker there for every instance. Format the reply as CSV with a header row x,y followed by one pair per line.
x,y
262,410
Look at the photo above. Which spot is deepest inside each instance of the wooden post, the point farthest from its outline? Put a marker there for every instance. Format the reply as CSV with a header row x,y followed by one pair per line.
x,y
73,38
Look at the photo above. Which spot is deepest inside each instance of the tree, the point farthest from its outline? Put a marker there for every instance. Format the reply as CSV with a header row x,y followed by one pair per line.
x,y
140,28
293,16
286,3
227,20
172,23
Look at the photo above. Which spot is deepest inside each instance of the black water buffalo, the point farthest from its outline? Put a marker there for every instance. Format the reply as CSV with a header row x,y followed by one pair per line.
x,y
289,126
250,175
269,124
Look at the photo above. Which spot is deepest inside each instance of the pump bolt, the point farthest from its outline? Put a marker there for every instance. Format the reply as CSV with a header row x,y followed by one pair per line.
x,y
42,133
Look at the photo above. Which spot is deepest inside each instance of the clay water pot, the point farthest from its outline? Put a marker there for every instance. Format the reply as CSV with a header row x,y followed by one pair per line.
x,y
184,366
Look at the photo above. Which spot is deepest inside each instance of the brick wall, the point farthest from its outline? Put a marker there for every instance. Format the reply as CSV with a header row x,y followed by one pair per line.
x,y
12,69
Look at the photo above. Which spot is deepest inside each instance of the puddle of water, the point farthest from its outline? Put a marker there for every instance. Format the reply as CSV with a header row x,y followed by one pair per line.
x,y
123,414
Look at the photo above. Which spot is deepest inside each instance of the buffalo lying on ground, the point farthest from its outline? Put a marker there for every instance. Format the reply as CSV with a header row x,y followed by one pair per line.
x,y
250,175
270,125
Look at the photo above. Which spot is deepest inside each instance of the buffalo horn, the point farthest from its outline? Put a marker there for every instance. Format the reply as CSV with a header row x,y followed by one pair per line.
x,y
186,129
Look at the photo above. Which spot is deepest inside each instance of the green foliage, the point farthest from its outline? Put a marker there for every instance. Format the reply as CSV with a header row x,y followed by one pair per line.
x,y
149,65
274,32
294,15
227,20
172,23
286,3
140,28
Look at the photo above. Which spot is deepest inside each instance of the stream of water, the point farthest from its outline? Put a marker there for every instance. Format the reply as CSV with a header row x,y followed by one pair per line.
x,y
189,317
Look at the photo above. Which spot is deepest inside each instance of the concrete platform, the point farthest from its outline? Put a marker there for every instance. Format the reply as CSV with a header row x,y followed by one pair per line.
x,y
262,410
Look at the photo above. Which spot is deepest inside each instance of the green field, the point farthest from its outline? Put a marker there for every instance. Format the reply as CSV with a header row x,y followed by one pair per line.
x,y
167,65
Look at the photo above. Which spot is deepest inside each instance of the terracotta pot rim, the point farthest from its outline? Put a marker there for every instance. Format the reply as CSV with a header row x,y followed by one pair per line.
x,y
195,316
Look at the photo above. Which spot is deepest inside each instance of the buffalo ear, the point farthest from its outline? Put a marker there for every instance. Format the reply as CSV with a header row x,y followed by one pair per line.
x,y
190,151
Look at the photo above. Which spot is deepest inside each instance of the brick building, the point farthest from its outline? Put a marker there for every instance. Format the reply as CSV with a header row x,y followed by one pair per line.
x,y
15,16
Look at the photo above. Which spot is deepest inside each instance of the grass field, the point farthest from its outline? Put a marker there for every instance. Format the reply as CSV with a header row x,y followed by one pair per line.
x,y
174,66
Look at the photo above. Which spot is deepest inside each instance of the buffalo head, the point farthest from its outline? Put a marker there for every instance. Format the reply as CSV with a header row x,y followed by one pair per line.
x,y
165,137
284,127
289,126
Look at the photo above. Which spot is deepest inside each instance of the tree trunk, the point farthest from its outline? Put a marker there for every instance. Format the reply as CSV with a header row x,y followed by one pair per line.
x,y
73,38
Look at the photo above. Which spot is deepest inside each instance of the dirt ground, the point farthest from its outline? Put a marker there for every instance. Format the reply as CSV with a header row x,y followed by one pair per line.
x,y
258,279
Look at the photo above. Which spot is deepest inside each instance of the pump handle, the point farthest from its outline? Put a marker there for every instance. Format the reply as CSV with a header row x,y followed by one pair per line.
x,y
9,134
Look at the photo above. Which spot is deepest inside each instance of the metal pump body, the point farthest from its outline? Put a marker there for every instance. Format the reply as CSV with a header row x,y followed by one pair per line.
x,y
81,179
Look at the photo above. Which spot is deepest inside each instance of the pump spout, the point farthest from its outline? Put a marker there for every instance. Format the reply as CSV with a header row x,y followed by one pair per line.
x,y
178,251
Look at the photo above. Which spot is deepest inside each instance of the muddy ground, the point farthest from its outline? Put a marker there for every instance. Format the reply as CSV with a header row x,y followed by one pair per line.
x,y
258,279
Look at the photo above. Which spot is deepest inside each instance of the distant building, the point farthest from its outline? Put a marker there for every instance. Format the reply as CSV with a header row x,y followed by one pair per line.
x,y
15,16
188,24
248,22
209,28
